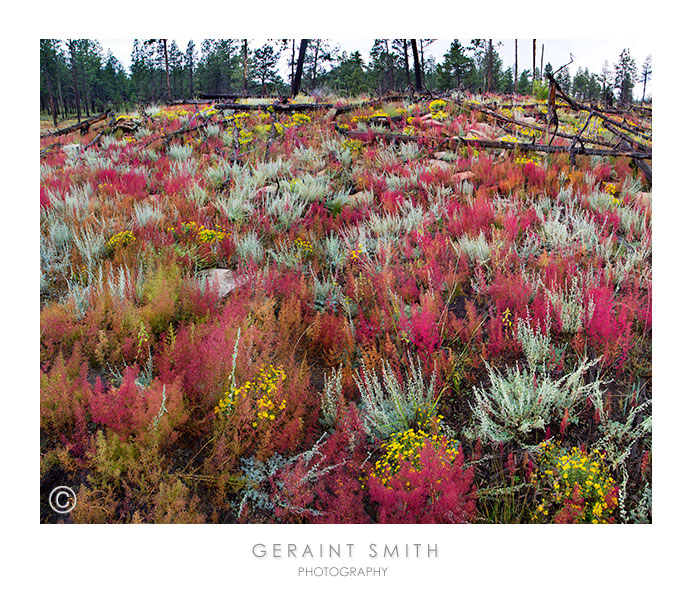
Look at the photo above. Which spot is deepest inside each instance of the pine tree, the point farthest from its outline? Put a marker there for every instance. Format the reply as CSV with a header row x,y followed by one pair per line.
x,y
47,59
457,68
400,47
264,61
625,74
189,65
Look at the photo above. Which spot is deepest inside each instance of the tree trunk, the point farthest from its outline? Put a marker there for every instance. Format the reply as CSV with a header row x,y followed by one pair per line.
x,y
390,65
408,72
75,85
49,84
516,66
168,77
533,71
422,61
416,65
293,60
542,50
490,67
245,67
85,95
314,64
295,89
644,91
61,101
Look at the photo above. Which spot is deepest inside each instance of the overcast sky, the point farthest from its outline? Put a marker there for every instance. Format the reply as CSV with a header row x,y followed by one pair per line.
x,y
589,53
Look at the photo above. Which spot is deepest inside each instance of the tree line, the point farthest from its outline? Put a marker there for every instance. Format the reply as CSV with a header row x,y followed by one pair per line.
x,y
78,78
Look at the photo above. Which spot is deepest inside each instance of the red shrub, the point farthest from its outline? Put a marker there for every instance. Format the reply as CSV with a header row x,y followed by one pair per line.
x,y
438,492
131,408
65,392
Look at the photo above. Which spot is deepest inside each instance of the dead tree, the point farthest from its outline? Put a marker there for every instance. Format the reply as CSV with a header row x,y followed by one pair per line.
x,y
416,66
75,85
295,89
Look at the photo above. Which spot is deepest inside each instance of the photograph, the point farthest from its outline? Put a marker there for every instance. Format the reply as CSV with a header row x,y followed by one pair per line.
x,y
346,310
345,281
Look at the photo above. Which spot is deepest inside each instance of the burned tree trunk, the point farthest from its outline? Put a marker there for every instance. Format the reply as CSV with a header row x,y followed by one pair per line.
x,y
168,77
416,65
51,97
295,89
75,85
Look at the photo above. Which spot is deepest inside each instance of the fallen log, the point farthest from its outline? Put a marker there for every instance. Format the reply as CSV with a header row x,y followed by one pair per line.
x,y
168,137
622,136
501,117
81,126
275,106
51,147
288,107
501,144
639,163
353,106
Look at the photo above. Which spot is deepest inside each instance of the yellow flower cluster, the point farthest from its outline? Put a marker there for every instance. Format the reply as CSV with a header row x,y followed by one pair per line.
x,y
410,130
120,239
437,105
355,146
210,236
245,136
356,118
301,118
262,389
610,188
203,234
439,115
266,128
522,160
208,111
355,253
304,246
236,117
529,133
406,446
560,471
507,318
171,114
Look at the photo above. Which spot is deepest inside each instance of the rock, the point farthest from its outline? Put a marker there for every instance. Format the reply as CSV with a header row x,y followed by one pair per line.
x,y
436,163
528,120
485,131
449,157
463,176
227,280
267,189
643,199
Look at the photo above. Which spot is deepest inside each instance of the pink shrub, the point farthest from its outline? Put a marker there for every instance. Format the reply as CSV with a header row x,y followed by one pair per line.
x,y
439,492
131,408
422,330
